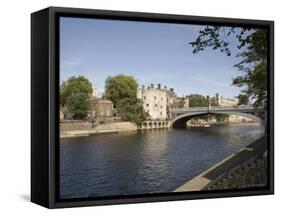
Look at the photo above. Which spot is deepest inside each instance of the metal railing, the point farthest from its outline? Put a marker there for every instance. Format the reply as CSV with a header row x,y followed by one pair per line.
x,y
229,108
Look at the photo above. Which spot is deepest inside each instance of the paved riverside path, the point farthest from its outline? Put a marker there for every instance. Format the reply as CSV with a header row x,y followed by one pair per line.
x,y
226,166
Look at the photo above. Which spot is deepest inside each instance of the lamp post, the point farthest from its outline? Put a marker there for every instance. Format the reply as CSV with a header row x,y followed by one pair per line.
x,y
209,104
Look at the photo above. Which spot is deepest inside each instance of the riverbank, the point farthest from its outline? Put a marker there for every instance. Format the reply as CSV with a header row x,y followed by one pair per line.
x,y
223,123
79,128
246,168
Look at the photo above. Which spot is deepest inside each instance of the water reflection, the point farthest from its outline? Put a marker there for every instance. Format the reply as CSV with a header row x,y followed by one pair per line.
x,y
147,161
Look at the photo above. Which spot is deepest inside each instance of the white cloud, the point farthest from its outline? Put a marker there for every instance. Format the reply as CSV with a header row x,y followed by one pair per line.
x,y
64,64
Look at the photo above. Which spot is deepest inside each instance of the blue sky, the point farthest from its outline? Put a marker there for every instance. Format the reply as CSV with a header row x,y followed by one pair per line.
x,y
151,52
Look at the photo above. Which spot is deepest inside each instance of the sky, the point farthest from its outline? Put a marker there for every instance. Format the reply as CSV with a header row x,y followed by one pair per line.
x,y
151,52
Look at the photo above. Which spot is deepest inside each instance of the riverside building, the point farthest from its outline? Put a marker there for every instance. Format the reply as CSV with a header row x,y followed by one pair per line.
x,y
156,101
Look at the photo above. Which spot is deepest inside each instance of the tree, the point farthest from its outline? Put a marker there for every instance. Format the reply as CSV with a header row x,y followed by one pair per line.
x,y
253,46
243,99
180,104
74,96
78,105
122,91
131,109
120,87
197,100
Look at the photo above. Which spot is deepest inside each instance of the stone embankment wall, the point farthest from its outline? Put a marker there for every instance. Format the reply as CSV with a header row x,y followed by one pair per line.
x,y
120,126
155,125
75,125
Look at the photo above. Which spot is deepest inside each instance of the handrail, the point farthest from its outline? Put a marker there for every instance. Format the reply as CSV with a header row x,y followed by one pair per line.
x,y
215,108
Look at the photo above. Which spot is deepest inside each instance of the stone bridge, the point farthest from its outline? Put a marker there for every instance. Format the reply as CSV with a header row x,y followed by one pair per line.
x,y
181,115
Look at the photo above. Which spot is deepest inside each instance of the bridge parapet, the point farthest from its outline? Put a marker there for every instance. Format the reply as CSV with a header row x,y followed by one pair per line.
x,y
217,108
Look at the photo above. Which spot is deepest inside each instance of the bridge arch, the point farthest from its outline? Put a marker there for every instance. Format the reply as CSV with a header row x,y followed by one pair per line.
x,y
180,120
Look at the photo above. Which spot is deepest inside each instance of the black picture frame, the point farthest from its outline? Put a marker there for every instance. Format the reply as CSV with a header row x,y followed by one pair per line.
x,y
45,106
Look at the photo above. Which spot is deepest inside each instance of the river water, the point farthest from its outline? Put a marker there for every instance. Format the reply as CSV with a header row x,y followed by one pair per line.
x,y
152,161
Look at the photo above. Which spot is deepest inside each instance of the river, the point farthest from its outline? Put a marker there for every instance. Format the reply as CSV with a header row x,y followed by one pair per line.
x,y
152,161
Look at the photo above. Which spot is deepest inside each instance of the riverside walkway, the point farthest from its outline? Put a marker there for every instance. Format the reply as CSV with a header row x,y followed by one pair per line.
x,y
231,170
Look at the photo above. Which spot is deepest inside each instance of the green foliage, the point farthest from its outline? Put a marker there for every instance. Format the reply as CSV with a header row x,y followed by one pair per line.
x,y
122,91
74,85
197,100
120,87
74,96
78,105
254,66
216,38
254,55
180,104
243,99
131,109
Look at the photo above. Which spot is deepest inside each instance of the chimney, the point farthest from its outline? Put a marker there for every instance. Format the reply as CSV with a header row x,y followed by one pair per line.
x,y
152,85
172,90
159,86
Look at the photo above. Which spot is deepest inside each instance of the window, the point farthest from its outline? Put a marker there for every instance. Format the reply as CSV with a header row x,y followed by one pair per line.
x,y
155,105
154,97
161,98
144,97
147,105
160,113
161,107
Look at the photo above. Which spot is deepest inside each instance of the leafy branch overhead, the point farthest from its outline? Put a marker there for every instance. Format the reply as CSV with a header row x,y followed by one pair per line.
x,y
253,46
217,38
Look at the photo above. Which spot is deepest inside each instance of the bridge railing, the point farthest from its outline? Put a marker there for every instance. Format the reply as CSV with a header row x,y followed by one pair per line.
x,y
198,109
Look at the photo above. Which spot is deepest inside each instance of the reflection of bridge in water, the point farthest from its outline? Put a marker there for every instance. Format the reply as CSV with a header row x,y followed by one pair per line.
x,y
181,115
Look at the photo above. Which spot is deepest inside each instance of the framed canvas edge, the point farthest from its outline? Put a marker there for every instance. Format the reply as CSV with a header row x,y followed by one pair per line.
x,y
53,131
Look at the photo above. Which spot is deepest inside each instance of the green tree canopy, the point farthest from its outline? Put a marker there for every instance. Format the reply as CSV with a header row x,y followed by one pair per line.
x,y
243,99
78,105
120,87
253,45
122,91
131,109
197,100
74,85
74,96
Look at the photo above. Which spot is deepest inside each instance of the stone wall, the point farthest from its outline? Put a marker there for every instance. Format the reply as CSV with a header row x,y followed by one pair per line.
x,y
120,126
117,126
155,124
75,125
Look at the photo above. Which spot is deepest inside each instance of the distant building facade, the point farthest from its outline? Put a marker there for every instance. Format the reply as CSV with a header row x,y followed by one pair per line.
x,y
186,102
101,110
226,101
95,91
157,101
